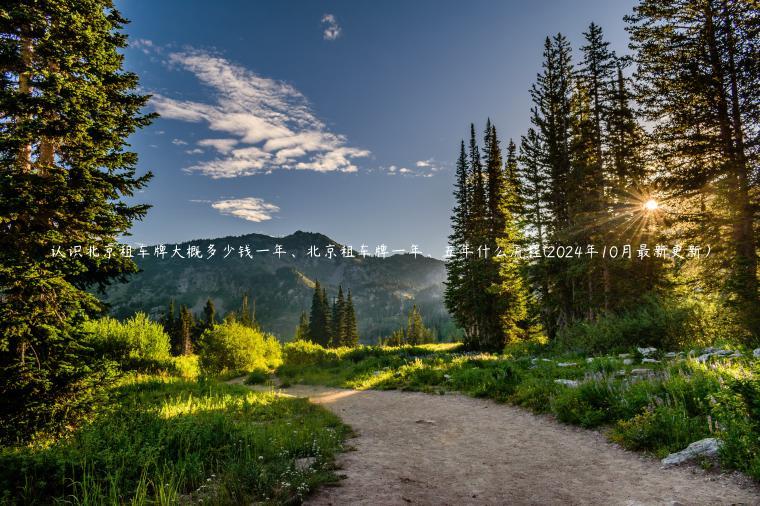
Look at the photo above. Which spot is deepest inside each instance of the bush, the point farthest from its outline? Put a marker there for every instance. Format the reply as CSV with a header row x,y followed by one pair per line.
x,y
303,353
257,377
232,347
659,322
137,338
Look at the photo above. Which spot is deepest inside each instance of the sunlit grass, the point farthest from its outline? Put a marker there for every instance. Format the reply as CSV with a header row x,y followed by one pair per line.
x,y
166,440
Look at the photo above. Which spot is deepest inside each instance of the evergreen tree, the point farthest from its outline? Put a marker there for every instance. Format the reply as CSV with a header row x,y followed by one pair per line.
x,y
551,116
170,321
351,338
455,295
186,327
319,323
698,83
68,108
245,317
302,330
209,315
338,336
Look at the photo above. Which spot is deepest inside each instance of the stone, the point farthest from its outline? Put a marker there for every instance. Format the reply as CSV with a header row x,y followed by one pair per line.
x,y
671,354
649,361
628,361
567,364
589,360
704,358
708,447
426,422
305,463
641,372
646,351
756,353
625,355
567,382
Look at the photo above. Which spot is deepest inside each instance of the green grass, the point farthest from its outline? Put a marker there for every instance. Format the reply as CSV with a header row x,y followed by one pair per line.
x,y
164,441
679,402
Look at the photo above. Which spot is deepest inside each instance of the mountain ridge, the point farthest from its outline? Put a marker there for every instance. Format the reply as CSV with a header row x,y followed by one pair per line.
x,y
383,289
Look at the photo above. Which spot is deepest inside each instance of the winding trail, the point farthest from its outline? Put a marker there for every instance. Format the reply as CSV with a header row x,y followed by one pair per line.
x,y
452,449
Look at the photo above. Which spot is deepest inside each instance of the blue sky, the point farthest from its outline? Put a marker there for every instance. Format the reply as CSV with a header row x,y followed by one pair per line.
x,y
340,117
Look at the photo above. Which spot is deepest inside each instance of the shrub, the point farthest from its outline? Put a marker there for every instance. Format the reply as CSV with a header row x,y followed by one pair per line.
x,y
659,322
303,353
257,377
137,338
232,347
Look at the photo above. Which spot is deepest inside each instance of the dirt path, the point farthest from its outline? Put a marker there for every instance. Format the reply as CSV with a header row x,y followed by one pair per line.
x,y
452,449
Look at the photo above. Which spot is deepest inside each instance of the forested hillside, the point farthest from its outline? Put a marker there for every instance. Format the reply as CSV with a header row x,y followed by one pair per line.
x,y
384,289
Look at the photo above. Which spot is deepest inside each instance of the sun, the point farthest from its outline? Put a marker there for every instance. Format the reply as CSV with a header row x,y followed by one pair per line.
x,y
651,205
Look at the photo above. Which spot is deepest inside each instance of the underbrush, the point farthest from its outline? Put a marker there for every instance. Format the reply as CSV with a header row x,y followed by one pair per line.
x,y
166,440
658,404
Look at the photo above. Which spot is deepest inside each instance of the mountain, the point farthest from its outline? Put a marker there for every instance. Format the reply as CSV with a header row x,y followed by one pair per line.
x,y
383,289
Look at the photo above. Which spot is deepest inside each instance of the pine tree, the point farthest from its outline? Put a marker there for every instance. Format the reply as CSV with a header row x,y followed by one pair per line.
x,y
209,315
245,312
698,82
68,107
455,295
169,321
319,323
351,333
551,116
186,326
302,330
338,336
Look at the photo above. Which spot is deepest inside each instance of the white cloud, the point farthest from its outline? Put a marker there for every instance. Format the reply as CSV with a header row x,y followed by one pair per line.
x,y
268,124
179,142
222,145
194,151
144,45
249,208
331,28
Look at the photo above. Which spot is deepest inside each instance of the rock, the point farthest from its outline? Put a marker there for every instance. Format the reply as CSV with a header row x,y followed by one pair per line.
x,y
723,353
641,372
427,422
567,383
703,358
628,361
710,350
736,354
447,377
624,355
756,353
671,354
621,372
567,364
305,463
646,351
649,361
589,360
707,447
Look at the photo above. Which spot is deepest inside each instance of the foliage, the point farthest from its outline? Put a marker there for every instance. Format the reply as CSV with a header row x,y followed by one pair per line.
x,y
233,347
660,322
257,377
166,441
414,333
334,327
67,108
135,338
